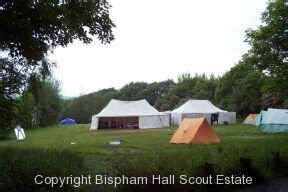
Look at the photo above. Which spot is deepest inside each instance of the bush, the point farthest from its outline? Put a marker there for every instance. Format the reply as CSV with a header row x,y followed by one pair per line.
x,y
19,167
165,164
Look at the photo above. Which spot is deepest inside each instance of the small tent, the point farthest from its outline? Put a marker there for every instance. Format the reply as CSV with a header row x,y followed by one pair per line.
x,y
67,121
250,119
129,114
195,131
259,118
19,132
275,121
201,108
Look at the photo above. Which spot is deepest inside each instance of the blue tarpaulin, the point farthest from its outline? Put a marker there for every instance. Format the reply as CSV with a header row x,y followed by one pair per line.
x,y
68,121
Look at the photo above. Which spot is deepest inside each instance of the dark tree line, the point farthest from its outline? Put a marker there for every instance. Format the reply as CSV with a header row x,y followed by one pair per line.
x,y
40,103
240,90
83,107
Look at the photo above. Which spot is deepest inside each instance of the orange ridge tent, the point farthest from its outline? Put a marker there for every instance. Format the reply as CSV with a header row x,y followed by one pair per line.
x,y
196,130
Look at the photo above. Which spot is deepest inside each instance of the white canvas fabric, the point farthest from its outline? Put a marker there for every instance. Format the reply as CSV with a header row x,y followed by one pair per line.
x,y
229,117
117,108
275,121
157,121
94,122
19,133
201,108
149,117
198,106
276,116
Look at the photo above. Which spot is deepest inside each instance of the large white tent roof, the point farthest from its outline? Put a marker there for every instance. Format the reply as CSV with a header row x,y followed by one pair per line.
x,y
198,106
117,108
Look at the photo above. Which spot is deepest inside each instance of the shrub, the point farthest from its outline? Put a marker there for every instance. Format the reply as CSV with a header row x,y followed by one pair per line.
x,y
19,167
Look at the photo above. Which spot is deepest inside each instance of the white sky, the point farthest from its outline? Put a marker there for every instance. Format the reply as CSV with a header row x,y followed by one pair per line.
x,y
157,40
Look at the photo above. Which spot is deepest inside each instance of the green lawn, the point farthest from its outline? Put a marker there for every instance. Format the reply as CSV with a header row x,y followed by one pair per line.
x,y
151,149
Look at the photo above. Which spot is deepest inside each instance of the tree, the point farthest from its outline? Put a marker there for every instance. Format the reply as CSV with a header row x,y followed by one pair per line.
x,y
188,87
26,111
82,108
29,28
205,88
149,91
12,77
269,45
133,91
41,102
184,86
50,104
240,89
155,91
168,102
12,80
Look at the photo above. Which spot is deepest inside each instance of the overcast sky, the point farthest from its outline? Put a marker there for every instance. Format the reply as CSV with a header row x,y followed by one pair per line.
x,y
157,40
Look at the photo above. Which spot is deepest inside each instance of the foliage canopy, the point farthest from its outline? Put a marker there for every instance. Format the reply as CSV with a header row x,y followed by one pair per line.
x,y
29,28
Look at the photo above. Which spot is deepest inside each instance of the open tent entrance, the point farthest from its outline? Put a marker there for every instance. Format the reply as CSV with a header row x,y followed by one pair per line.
x,y
119,122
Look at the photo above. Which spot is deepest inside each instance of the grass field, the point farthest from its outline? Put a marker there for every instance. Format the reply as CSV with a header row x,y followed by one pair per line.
x,y
145,152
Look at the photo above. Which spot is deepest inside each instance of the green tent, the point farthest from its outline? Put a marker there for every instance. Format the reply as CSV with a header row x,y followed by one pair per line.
x,y
275,121
259,118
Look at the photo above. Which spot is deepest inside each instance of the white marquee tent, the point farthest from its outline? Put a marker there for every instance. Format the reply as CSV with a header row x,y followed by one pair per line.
x,y
129,114
201,108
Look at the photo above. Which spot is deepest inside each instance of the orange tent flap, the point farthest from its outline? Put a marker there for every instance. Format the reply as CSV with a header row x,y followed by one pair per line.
x,y
250,118
195,130
184,133
205,134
